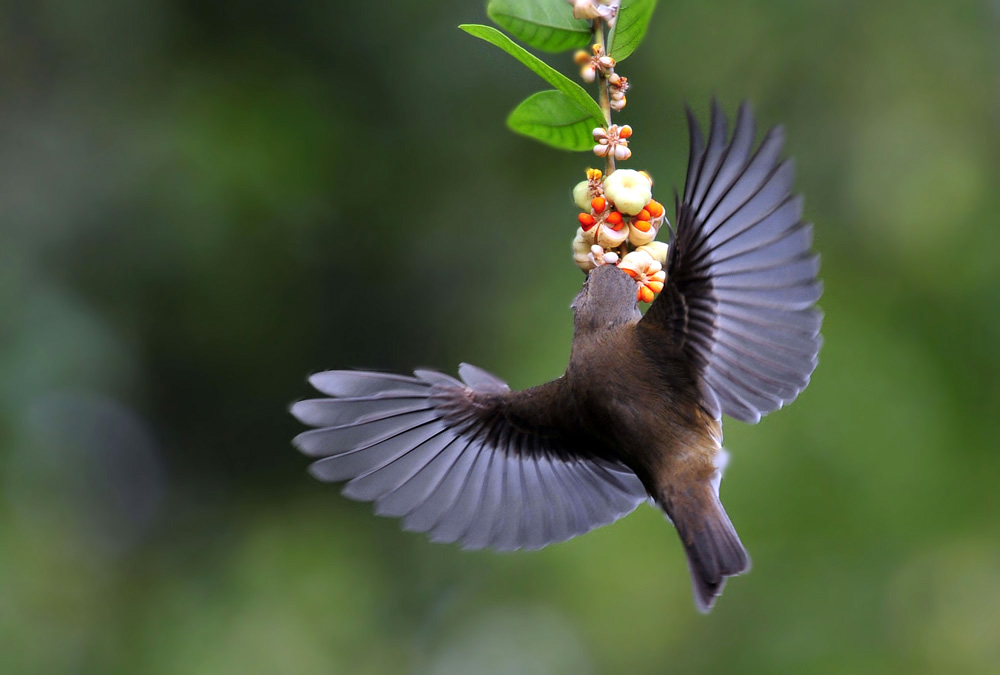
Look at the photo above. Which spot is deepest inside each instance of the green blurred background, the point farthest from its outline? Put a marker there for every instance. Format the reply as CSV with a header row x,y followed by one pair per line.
x,y
203,202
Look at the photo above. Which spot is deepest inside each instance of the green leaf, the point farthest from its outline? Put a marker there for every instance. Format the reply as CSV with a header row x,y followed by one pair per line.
x,y
548,26
630,28
552,118
571,89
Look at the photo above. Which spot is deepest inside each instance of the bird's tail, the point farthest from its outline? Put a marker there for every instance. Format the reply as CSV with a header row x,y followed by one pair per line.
x,y
713,548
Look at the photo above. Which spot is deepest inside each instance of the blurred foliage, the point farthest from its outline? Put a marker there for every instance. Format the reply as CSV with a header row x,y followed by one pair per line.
x,y
202,202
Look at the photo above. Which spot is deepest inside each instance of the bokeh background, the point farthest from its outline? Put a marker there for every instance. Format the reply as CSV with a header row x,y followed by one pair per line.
x,y
203,202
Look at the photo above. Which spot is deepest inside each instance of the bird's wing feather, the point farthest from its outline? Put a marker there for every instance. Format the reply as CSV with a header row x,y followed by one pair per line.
x,y
465,461
741,278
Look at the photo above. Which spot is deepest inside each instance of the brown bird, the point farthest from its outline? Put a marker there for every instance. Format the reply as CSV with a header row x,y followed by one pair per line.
x,y
636,416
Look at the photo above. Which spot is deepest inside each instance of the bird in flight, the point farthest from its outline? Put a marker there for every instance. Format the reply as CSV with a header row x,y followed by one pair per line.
x,y
636,417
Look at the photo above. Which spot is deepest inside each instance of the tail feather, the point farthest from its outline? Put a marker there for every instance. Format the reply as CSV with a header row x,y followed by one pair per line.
x,y
713,548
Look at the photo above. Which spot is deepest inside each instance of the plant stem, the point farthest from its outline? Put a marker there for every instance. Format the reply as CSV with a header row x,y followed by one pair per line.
x,y
603,94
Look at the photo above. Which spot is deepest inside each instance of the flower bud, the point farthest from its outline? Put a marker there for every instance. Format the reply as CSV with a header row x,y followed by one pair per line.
x,y
609,237
588,74
641,232
628,190
581,252
622,152
657,250
581,196
636,263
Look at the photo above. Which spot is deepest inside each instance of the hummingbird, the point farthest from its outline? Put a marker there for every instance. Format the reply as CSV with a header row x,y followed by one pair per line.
x,y
637,416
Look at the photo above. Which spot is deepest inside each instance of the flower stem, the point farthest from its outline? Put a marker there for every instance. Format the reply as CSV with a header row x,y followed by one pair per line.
x,y
603,94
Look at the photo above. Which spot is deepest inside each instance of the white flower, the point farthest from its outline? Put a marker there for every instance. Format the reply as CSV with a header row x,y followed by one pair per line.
x,y
628,190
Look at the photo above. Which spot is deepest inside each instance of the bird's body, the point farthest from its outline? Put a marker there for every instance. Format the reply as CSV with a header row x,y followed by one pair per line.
x,y
637,414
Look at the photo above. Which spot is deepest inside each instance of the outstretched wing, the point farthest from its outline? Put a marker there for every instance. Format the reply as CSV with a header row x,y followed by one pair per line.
x,y
469,462
741,278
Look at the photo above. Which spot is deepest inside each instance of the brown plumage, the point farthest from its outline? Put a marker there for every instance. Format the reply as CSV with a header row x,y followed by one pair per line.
x,y
637,414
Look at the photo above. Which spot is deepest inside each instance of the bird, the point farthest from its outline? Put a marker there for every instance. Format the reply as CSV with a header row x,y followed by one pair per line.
x,y
637,415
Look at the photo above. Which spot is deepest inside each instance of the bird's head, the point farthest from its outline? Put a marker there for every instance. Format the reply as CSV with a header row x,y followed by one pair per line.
x,y
607,299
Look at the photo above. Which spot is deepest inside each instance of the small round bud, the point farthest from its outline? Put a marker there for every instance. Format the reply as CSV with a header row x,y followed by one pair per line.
x,y
586,220
627,190
625,131
588,74
599,133
597,204
606,62
618,105
614,79
654,208
645,294
581,57
611,258
581,195
622,152
643,215
601,150
613,218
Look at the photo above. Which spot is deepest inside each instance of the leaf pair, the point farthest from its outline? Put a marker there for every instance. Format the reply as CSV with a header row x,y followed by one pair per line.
x,y
563,117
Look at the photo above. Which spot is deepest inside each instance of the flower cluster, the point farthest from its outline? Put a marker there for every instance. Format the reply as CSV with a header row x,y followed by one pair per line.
x,y
617,86
619,218
618,212
591,65
613,141
646,270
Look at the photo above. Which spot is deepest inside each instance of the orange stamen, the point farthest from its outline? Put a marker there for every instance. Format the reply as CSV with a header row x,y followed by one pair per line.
x,y
643,225
598,204
586,220
613,218
655,209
